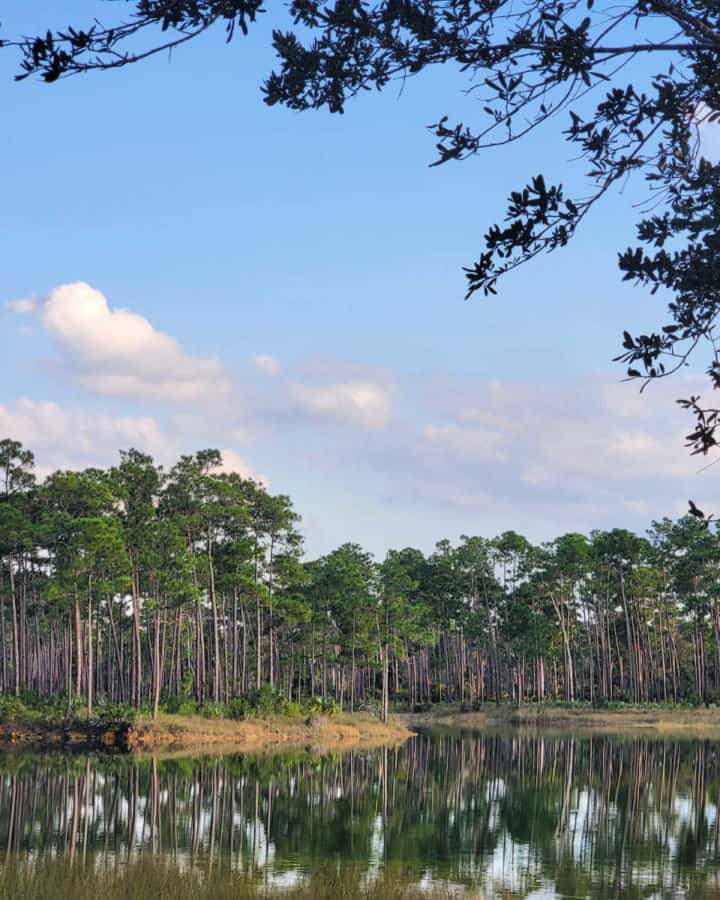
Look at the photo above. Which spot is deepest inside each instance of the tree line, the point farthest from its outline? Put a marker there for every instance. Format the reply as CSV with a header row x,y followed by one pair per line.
x,y
146,587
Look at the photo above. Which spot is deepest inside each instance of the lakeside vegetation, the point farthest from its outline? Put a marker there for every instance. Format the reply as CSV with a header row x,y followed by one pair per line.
x,y
155,879
674,721
46,724
135,590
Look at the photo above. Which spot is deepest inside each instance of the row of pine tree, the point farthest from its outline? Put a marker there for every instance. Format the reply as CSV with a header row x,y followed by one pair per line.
x,y
140,586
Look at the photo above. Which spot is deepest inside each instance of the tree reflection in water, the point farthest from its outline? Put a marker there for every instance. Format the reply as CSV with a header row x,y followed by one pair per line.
x,y
568,816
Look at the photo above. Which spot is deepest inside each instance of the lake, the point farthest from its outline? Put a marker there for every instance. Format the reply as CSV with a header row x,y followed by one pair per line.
x,y
532,816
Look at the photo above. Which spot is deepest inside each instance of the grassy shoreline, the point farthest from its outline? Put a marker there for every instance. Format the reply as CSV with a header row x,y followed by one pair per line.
x,y
153,878
659,719
183,732
174,732
341,731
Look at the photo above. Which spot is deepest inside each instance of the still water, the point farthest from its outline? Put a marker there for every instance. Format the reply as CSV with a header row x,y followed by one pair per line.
x,y
515,814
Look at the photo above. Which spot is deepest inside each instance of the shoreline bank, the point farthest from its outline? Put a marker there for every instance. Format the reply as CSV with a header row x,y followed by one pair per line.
x,y
175,732
660,720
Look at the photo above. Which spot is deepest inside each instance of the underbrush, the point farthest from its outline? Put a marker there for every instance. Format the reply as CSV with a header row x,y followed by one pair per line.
x,y
507,704
59,710
258,704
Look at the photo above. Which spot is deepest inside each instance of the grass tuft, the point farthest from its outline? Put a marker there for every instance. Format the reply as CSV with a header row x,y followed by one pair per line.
x,y
155,879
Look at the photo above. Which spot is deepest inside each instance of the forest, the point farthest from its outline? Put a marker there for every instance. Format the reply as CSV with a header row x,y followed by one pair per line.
x,y
187,590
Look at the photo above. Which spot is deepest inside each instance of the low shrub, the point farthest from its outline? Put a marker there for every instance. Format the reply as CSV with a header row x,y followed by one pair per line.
x,y
271,701
293,710
13,709
268,700
181,705
108,714
317,706
210,710
239,708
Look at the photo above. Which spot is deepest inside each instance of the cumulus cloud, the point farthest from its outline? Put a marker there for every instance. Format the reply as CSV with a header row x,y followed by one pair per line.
x,y
361,403
116,352
266,365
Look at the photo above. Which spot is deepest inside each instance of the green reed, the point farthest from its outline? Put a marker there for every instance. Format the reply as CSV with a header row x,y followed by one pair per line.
x,y
157,879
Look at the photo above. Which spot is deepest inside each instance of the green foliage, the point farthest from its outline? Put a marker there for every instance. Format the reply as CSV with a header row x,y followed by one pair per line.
x,y
321,706
13,709
210,710
56,709
213,566
267,701
107,714
260,704
181,705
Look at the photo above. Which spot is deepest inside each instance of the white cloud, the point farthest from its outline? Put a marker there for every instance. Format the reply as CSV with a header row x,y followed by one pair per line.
x,y
64,438
70,438
603,452
267,365
362,403
477,443
21,307
595,432
428,454
243,435
114,351
176,390
233,462
541,458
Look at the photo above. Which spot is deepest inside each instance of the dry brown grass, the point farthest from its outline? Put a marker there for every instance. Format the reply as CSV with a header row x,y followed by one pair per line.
x,y
342,732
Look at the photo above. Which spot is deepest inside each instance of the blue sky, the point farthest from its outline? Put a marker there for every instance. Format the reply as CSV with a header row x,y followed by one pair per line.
x,y
392,411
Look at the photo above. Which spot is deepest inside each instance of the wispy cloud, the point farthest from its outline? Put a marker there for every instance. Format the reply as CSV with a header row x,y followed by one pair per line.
x,y
362,403
266,365
21,307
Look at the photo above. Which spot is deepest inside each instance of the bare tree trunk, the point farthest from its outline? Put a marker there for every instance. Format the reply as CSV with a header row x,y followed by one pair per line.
x,y
157,669
216,631
385,682
78,649
16,641
90,672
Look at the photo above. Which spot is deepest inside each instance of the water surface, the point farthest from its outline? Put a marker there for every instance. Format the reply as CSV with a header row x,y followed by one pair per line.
x,y
536,816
